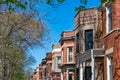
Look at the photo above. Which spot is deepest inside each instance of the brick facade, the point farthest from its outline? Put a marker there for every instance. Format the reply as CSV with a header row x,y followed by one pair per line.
x,y
56,52
67,67
49,65
111,41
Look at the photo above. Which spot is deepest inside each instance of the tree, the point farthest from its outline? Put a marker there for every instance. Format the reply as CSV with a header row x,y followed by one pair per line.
x,y
17,32
20,27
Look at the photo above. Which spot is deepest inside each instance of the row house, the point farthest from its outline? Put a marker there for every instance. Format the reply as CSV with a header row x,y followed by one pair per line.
x,y
97,42
68,55
89,48
91,51
43,72
48,66
56,62
60,63
111,39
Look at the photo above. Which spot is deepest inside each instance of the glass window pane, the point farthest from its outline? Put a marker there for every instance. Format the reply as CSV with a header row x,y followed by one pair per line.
x,y
88,73
69,54
58,61
88,39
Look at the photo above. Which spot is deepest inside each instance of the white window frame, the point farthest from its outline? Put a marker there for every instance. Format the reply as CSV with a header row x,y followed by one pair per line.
x,y
108,68
68,54
57,61
107,18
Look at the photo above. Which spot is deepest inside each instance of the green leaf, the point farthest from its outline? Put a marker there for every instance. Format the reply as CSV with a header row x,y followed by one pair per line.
x,y
60,0
48,1
25,3
22,6
103,1
0,1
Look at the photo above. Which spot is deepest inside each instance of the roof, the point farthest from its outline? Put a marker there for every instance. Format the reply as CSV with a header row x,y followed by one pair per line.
x,y
93,8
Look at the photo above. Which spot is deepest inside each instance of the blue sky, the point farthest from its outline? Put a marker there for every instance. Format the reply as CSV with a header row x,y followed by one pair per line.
x,y
58,19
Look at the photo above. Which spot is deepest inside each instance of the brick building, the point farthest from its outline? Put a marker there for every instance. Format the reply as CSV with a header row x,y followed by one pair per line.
x,y
111,37
68,55
48,65
43,72
40,72
56,62
89,51
36,75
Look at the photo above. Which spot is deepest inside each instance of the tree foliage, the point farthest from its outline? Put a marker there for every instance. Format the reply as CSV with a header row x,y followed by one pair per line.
x,y
24,4
20,27
17,32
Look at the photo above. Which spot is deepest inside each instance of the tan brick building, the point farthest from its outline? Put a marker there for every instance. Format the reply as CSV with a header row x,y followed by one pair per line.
x,y
56,62
68,55
88,48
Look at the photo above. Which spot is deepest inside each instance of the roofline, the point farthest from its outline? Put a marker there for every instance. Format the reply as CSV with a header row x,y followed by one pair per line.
x,y
55,44
67,38
96,8
66,31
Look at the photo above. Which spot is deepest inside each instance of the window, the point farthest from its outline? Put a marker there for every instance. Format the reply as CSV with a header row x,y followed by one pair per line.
x,y
58,61
88,39
77,43
44,70
69,54
70,76
110,68
77,75
108,18
88,73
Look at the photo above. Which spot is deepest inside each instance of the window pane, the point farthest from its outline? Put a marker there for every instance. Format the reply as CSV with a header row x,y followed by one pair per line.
x,y
88,39
69,54
110,18
50,67
58,61
77,43
88,73
70,76
77,75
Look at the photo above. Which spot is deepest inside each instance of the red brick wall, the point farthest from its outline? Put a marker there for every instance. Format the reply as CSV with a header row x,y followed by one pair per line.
x,y
68,33
104,20
105,68
48,69
116,58
65,51
48,60
113,39
109,40
116,14
64,76
64,55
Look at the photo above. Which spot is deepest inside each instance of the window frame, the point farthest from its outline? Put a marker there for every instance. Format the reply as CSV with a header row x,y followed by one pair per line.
x,y
87,68
58,63
77,43
68,59
86,39
109,65
108,17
